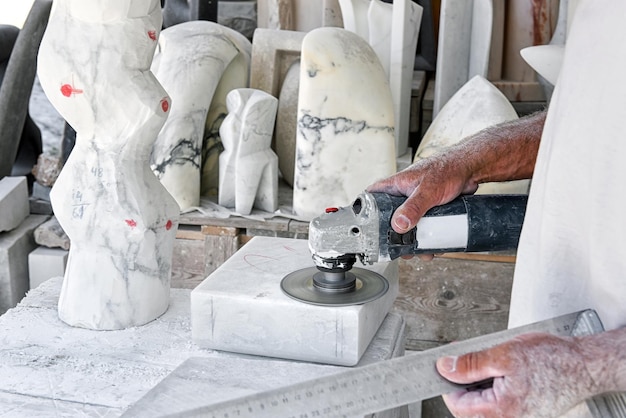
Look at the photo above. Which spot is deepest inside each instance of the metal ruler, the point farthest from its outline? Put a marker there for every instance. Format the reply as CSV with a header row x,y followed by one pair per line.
x,y
387,384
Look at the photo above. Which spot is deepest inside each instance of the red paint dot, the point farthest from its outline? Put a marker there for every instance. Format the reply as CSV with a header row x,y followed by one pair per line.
x,y
67,90
331,210
168,225
165,105
131,223
152,35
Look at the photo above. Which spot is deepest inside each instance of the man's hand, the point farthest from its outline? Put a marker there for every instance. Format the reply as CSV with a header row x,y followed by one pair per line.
x,y
535,375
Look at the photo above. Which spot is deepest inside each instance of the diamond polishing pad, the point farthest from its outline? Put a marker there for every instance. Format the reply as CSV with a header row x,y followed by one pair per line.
x,y
368,286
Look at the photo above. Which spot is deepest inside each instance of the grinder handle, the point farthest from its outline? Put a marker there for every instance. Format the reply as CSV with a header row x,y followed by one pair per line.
x,y
467,224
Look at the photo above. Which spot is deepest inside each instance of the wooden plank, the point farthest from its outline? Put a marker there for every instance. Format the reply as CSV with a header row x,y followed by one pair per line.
x,y
446,300
189,232
497,258
228,231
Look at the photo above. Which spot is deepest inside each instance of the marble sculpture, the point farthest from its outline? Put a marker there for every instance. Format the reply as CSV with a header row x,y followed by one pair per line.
x,y
193,60
345,138
392,31
120,219
248,166
475,106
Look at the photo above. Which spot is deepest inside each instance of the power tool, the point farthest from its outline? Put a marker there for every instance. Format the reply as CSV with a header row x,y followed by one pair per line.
x,y
340,236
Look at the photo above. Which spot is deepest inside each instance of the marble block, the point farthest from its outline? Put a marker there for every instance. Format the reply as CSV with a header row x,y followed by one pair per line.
x,y
287,123
121,220
45,263
14,207
464,46
345,138
191,59
476,106
546,60
248,166
241,308
14,249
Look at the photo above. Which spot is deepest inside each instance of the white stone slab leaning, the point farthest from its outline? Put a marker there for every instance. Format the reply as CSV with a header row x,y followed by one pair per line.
x,y
241,308
248,166
392,30
121,221
345,139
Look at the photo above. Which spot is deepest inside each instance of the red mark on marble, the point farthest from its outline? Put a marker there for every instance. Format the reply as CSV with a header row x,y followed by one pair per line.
x,y
259,262
168,225
331,210
286,247
67,90
152,35
165,104
131,222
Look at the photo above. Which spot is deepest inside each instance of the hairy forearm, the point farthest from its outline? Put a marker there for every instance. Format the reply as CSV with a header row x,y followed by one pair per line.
x,y
504,152
605,359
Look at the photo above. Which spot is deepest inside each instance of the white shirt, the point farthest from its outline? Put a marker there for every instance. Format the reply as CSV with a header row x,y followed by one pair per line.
x,y
572,253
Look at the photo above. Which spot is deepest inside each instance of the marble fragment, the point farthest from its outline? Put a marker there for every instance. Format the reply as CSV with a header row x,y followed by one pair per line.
x,y
122,222
191,60
248,166
345,139
475,106
241,308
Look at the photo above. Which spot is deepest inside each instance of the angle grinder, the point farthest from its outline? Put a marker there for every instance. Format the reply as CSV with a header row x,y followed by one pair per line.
x,y
363,231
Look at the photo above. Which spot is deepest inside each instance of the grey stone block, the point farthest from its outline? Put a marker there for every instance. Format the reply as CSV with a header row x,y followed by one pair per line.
x,y
14,207
14,249
45,263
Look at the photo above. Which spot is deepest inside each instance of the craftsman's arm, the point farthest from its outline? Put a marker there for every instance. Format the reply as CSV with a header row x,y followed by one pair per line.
x,y
500,153
537,375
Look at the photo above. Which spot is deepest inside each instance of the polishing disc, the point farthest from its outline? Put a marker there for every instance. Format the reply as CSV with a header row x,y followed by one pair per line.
x,y
368,287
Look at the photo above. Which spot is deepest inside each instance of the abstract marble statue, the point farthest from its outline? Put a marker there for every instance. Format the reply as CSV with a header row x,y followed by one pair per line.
x,y
475,106
120,219
192,59
248,166
345,138
392,31
464,45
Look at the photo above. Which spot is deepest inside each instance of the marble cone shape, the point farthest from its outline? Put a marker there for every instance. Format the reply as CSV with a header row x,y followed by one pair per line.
x,y
476,106
193,58
120,219
248,166
345,139
392,30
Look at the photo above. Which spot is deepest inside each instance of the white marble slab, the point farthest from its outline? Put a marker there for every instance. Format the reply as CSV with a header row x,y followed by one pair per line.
x,y
464,44
241,308
345,138
50,369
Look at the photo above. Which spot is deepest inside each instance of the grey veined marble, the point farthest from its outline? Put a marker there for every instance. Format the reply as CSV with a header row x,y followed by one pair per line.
x,y
345,138
94,66
197,63
248,166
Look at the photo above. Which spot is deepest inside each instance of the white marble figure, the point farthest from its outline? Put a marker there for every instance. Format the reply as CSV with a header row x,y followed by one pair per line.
x,y
475,106
392,30
464,45
192,59
248,166
345,137
94,66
